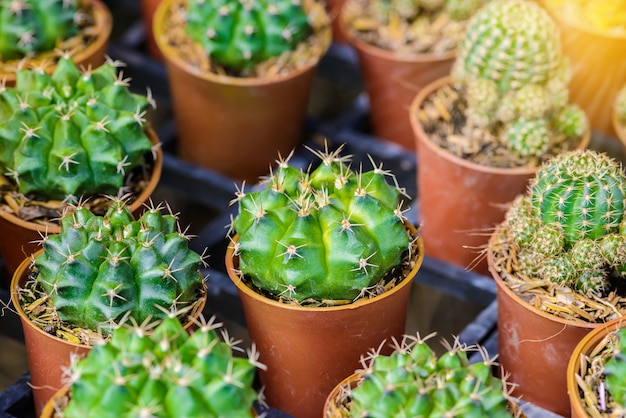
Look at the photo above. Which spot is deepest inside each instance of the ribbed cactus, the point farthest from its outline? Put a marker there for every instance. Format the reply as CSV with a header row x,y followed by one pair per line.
x,y
100,268
414,382
31,26
239,34
570,228
163,372
615,369
72,133
326,234
512,67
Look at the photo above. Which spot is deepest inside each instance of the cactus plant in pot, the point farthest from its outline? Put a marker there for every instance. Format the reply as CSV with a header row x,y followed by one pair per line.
x,y
158,369
249,65
97,272
67,136
323,261
483,132
558,261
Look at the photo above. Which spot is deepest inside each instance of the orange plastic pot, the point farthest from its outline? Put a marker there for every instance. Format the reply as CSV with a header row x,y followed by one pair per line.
x,y
20,238
236,126
460,201
391,81
309,350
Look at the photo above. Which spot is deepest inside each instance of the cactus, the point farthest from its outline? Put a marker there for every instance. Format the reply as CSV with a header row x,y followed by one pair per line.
x,y
71,133
615,369
100,268
28,27
163,373
239,34
511,49
326,234
572,223
414,382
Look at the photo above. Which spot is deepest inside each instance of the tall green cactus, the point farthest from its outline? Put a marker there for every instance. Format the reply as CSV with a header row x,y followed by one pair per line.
x,y
31,26
326,234
72,133
239,34
165,373
100,268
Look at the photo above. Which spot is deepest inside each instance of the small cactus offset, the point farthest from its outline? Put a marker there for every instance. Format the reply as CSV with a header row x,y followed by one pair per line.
x,y
163,372
241,33
326,234
101,268
72,134
570,228
28,27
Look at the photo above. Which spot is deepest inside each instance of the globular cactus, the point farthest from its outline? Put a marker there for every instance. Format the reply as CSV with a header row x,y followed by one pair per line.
x,y
570,228
31,26
511,65
414,382
163,372
72,133
239,34
326,234
100,268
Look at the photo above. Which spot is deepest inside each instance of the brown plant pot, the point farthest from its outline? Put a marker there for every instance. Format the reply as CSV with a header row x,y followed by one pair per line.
x,y
460,201
234,125
94,54
391,81
534,347
20,238
148,8
309,350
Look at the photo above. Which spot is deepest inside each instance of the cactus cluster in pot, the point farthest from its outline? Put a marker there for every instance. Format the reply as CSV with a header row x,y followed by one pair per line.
x,y
159,370
330,233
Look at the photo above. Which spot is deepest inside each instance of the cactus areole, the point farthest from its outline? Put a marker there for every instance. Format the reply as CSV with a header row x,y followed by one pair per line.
x,y
326,234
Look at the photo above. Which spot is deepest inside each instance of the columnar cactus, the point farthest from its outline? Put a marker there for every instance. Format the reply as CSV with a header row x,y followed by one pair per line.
x,y
71,133
514,72
570,228
100,268
241,33
615,370
414,382
163,372
31,26
326,234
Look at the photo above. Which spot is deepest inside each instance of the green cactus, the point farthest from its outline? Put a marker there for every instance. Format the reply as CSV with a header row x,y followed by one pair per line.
x,y
615,369
31,26
163,372
414,382
326,234
239,34
72,133
100,268
572,220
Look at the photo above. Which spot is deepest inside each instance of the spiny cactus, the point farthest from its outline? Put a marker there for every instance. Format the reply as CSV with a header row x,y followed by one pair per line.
x,y
31,26
241,33
570,228
326,234
414,382
100,268
163,372
72,133
512,67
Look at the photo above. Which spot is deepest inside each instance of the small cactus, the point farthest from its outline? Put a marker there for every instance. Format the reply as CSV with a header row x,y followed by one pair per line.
x,y
241,33
71,134
100,268
163,372
326,234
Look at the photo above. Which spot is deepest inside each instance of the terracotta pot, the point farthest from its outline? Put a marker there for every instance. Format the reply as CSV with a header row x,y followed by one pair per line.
x,y
461,201
309,350
20,238
534,347
148,7
391,81
94,54
334,9
236,126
